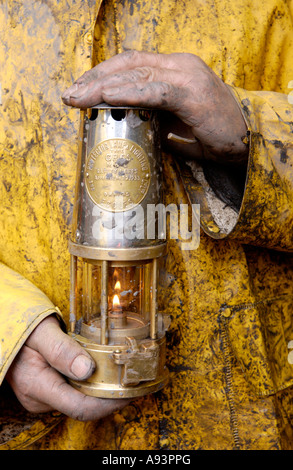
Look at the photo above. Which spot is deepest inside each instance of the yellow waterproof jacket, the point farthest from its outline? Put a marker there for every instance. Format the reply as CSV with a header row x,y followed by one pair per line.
x,y
231,300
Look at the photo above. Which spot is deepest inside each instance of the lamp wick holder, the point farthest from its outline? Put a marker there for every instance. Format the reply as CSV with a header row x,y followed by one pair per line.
x,y
113,262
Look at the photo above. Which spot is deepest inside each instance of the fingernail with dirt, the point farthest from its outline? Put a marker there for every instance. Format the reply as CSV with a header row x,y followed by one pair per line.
x,y
82,367
70,91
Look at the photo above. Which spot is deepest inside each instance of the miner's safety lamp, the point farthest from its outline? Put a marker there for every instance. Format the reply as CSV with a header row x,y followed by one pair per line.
x,y
114,250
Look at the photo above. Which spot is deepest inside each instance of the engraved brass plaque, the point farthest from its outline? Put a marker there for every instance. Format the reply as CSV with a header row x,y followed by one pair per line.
x,y
117,174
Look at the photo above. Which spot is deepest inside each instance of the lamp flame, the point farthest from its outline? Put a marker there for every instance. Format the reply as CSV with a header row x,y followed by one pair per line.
x,y
117,285
116,301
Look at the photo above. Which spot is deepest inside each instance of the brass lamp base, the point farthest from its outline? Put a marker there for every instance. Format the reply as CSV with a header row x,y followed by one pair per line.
x,y
128,370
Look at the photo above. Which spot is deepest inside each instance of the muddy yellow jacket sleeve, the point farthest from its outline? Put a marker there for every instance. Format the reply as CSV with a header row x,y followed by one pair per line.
x,y
265,213
22,307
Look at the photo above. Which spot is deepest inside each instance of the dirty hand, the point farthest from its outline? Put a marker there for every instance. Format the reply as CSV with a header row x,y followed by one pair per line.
x,y
179,83
35,375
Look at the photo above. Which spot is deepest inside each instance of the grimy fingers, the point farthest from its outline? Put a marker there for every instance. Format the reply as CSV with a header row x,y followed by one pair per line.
x,y
121,63
152,87
117,63
61,351
57,394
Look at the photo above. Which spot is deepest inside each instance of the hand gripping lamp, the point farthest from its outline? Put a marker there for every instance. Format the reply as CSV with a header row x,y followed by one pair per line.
x,y
113,300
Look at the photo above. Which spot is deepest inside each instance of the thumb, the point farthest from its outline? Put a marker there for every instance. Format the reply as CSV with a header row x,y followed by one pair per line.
x,y
60,350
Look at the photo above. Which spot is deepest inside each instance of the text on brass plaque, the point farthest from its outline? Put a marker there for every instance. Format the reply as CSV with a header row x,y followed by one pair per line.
x,y
117,174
